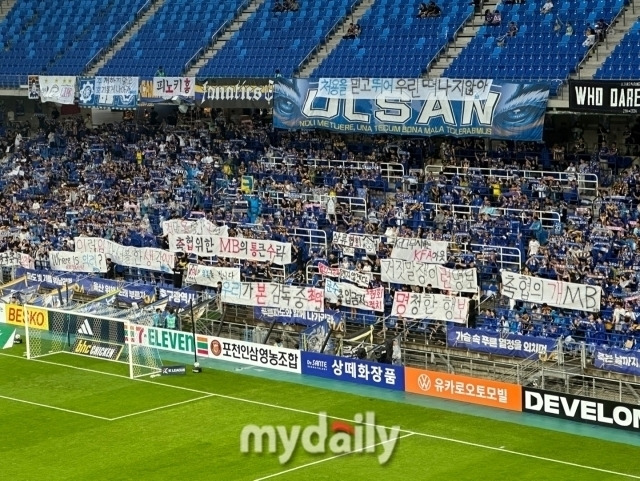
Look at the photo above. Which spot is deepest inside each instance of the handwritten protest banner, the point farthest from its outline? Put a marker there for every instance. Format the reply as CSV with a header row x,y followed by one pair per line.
x,y
201,226
16,259
77,261
234,247
128,256
360,278
421,274
420,250
568,295
352,296
357,241
414,305
210,275
271,294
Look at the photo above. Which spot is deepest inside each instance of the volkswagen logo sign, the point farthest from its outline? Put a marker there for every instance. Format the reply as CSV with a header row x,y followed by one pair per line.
x,y
424,382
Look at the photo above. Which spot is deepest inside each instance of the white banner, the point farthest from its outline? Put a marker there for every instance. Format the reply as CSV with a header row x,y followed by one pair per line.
x,y
413,305
270,294
168,87
568,295
15,259
77,261
235,247
128,256
201,226
420,274
59,89
210,275
357,241
352,296
420,250
360,278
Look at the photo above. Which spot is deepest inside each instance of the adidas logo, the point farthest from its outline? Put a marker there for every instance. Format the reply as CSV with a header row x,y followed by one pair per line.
x,y
85,328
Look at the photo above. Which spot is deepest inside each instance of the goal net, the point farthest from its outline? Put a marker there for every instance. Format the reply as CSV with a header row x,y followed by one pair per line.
x,y
90,335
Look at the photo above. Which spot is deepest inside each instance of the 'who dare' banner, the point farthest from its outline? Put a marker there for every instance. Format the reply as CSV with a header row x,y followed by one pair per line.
x,y
460,108
439,307
270,294
567,295
234,247
420,274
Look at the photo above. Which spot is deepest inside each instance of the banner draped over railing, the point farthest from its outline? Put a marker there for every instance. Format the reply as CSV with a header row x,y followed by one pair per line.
x,y
420,250
403,106
349,295
108,92
414,305
128,256
59,89
211,275
271,294
419,274
510,345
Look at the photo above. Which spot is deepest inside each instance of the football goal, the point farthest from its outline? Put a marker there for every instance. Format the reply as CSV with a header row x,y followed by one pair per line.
x,y
91,335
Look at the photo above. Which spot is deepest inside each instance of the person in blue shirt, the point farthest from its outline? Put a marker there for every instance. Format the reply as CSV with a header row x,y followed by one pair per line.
x,y
157,318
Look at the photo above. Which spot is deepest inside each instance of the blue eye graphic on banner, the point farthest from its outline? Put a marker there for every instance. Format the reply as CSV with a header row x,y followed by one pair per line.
x,y
418,107
108,92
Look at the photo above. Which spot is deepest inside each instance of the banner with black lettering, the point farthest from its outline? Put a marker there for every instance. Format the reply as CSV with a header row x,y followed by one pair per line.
x,y
271,294
349,295
415,305
405,106
568,295
605,96
210,275
420,250
235,92
360,278
420,274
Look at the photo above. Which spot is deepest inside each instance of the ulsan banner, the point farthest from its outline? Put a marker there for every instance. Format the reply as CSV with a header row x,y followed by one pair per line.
x,y
420,274
194,227
403,106
58,89
211,275
77,262
271,294
420,250
413,305
128,256
169,87
258,250
108,92
349,295
568,295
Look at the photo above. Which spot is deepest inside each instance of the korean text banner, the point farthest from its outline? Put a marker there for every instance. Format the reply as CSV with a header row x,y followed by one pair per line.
x,y
169,87
568,295
413,305
617,360
61,90
353,370
128,256
295,316
14,259
235,247
77,261
609,96
360,278
484,392
357,241
510,345
178,297
352,296
252,354
420,274
420,250
459,108
201,226
108,92
210,275
270,294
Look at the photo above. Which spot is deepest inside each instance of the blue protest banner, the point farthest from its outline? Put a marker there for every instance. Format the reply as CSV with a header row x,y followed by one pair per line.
x,y
510,345
352,370
617,360
418,107
294,316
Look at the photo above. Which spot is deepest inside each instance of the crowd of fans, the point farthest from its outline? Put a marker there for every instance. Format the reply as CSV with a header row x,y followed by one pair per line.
x,y
120,181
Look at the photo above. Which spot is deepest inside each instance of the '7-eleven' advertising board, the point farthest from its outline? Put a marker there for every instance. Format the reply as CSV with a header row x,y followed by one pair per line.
x,y
249,353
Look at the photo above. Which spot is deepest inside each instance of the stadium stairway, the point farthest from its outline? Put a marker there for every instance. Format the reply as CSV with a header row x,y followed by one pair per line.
x,y
225,33
331,42
122,40
5,7
618,30
462,39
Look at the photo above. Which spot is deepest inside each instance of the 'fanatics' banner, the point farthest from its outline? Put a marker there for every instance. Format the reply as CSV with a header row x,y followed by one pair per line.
x,y
616,97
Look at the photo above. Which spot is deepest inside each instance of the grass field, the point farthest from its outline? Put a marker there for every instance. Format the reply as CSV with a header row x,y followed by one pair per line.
x,y
60,420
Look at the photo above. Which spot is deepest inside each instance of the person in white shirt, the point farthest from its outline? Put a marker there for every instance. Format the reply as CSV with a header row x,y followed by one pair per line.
x,y
534,246
547,7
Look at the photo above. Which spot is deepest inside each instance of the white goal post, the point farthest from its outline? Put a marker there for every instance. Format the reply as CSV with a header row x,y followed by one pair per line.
x,y
86,334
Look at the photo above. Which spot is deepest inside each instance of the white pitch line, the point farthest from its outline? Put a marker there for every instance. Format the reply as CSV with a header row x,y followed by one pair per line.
x,y
162,407
280,473
302,411
56,408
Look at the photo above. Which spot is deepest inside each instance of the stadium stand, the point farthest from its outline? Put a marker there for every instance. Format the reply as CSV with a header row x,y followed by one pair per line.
x,y
34,42
623,61
537,51
171,37
270,40
394,40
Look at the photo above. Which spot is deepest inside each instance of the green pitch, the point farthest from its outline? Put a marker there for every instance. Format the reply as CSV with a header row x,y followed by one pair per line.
x,y
60,420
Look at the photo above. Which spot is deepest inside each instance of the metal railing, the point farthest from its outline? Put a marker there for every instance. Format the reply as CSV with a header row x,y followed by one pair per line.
x,y
357,205
470,210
